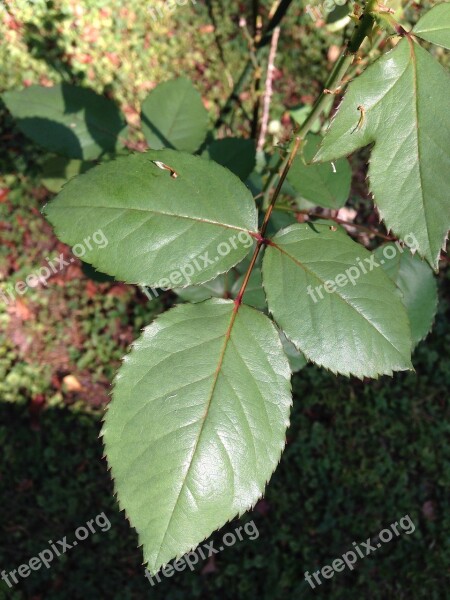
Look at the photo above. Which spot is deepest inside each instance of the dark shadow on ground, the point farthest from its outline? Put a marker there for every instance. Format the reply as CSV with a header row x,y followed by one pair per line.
x,y
359,457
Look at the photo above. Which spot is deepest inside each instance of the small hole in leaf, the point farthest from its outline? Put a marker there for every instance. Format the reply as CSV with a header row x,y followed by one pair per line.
x,y
165,167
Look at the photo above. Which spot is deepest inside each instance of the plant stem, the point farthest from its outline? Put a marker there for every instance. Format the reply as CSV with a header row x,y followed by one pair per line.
x,y
336,220
337,74
286,168
261,241
340,68
268,90
265,39
238,299
361,31
275,21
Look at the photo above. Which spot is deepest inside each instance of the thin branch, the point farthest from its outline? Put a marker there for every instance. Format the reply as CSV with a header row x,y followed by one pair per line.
x,y
274,22
336,76
277,191
261,241
308,213
257,82
255,14
250,42
341,67
268,90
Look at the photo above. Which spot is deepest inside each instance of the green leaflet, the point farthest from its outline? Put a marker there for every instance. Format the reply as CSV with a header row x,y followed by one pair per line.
x,y
57,170
197,423
163,229
236,154
72,121
173,116
434,26
300,114
404,96
417,285
296,359
227,286
215,288
321,184
358,328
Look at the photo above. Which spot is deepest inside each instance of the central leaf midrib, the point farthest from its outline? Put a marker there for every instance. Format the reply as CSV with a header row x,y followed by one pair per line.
x,y
416,114
161,213
227,336
431,30
176,115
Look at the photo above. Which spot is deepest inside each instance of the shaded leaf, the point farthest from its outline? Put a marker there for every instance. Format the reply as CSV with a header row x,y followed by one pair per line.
x,y
66,119
338,18
57,170
301,113
173,116
325,185
296,358
216,288
279,219
91,273
228,286
417,285
236,154
254,294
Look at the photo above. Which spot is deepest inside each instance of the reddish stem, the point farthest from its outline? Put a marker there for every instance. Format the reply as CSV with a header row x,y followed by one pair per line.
x,y
261,240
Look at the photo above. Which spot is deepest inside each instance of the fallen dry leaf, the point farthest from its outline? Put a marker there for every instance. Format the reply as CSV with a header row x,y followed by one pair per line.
x,y
72,384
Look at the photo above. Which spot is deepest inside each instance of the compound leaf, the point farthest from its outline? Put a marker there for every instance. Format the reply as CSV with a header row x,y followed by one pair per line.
x,y
417,285
66,119
170,219
400,104
434,26
336,309
173,116
197,423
